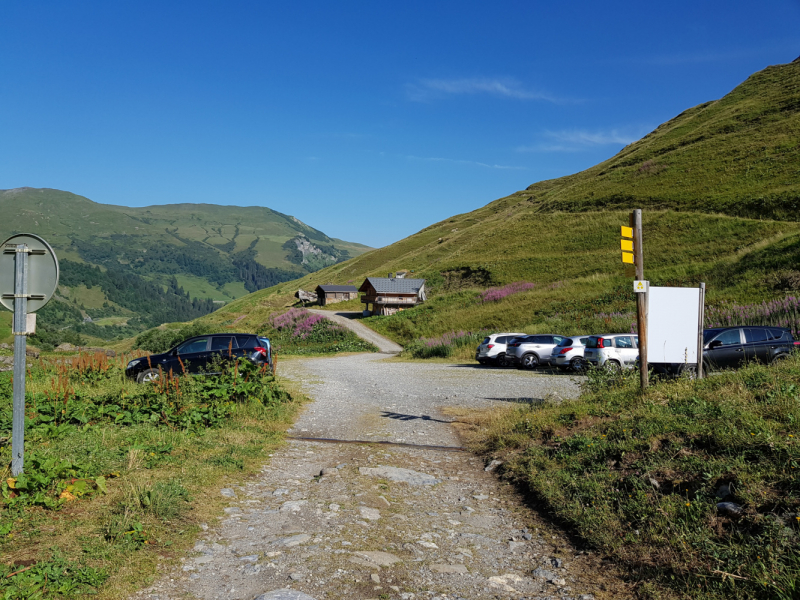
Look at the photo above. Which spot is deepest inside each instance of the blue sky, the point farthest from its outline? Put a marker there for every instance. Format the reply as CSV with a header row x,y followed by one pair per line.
x,y
367,120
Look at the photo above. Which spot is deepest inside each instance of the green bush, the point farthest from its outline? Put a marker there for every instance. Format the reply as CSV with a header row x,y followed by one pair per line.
x,y
160,340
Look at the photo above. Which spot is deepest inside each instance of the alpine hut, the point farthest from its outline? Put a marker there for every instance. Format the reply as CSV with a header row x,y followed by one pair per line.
x,y
331,294
387,295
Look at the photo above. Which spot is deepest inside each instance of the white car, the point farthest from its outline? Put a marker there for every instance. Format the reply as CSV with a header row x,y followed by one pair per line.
x,y
569,354
493,349
612,350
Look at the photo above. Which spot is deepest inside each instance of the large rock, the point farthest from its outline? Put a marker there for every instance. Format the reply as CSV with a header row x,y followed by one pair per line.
x,y
399,474
284,594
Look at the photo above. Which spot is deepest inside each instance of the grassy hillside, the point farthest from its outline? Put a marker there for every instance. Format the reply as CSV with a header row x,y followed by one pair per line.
x,y
738,155
198,255
718,185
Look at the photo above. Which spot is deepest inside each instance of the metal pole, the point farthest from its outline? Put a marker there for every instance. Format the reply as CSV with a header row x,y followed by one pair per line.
x,y
20,343
700,325
641,299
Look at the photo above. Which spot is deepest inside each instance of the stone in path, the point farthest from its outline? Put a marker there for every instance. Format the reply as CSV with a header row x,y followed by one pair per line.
x,y
400,474
284,595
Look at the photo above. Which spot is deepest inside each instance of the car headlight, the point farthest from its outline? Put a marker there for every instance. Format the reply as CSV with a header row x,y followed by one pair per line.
x,y
134,362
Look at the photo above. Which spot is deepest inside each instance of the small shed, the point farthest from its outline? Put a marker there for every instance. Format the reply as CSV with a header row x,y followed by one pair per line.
x,y
331,294
387,295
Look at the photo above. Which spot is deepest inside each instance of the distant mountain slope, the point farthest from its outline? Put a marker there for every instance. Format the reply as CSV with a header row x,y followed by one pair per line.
x,y
720,189
199,254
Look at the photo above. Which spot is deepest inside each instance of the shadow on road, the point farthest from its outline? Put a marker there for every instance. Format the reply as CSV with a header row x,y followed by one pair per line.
x,y
540,370
403,417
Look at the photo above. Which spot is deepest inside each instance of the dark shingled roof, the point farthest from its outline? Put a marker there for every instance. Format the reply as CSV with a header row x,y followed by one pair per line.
x,y
337,288
384,285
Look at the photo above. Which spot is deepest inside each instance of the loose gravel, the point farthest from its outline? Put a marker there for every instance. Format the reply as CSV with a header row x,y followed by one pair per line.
x,y
359,521
367,397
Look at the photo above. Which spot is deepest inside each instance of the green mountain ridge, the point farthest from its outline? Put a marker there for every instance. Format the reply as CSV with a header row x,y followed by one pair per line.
x,y
720,189
198,255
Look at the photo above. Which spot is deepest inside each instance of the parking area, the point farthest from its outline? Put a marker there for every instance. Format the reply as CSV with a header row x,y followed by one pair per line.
x,y
368,396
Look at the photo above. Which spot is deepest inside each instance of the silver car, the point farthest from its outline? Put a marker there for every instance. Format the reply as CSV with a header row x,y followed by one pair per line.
x,y
569,354
493,348
532,350
612,350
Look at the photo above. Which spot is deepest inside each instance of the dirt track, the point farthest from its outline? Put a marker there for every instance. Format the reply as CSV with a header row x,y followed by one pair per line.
x,y
405,521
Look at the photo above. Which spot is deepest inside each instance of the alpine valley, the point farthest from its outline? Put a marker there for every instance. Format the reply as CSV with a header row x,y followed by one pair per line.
x,y
125,269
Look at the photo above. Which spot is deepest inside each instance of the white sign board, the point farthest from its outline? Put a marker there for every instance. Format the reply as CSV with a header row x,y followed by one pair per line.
x,y
672,317
641,287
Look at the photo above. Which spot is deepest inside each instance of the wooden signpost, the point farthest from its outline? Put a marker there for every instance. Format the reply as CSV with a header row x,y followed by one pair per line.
x,y
631,245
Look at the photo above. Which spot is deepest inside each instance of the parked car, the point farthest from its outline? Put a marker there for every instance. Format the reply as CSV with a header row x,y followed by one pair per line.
x,y
731,347
612,350
532,350
493,349
569,354
196,355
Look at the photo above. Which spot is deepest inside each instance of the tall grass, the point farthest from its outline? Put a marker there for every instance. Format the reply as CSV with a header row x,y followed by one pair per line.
x,y
641,477
445,345
784,312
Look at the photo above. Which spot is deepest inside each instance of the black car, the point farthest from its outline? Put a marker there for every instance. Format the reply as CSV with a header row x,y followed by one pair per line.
x,y
732,347
196,355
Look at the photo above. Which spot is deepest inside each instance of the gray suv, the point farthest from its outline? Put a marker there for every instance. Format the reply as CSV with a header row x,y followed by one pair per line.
x,y
532,350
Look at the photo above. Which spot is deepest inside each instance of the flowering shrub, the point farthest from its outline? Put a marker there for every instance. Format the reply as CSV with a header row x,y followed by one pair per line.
x,y
302,332
498,293
443,345
297,321
784,312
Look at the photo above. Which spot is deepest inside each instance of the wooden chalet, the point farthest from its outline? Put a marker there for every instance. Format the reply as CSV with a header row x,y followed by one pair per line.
x,y
387,295
331,294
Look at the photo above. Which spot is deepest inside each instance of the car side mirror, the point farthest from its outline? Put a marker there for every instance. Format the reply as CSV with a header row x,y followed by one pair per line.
x,y
714,344
175,352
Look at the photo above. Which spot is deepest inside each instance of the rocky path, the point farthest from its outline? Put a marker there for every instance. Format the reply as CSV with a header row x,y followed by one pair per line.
x,y
334,520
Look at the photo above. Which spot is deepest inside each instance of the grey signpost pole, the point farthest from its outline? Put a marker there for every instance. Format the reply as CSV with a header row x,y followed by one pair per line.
x,y
700,325
25,286
20,347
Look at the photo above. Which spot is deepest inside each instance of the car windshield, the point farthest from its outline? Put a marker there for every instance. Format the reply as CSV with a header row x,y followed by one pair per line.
x,y
565,342
485,340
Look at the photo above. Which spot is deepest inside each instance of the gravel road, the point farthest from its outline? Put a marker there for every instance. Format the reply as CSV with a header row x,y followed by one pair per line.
x,y
407,521
367,397
350,320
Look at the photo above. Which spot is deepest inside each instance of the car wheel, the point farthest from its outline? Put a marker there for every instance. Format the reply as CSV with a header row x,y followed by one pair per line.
x,y
147,376
612,365
502,361
779,358
578,364
530,361
482,361
688,372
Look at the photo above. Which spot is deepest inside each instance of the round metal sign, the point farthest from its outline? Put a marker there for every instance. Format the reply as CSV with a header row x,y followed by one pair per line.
x,y
42,271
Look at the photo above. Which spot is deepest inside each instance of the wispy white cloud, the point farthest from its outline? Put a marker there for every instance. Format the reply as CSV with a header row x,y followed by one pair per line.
x,y
577,140
430,89
473,163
